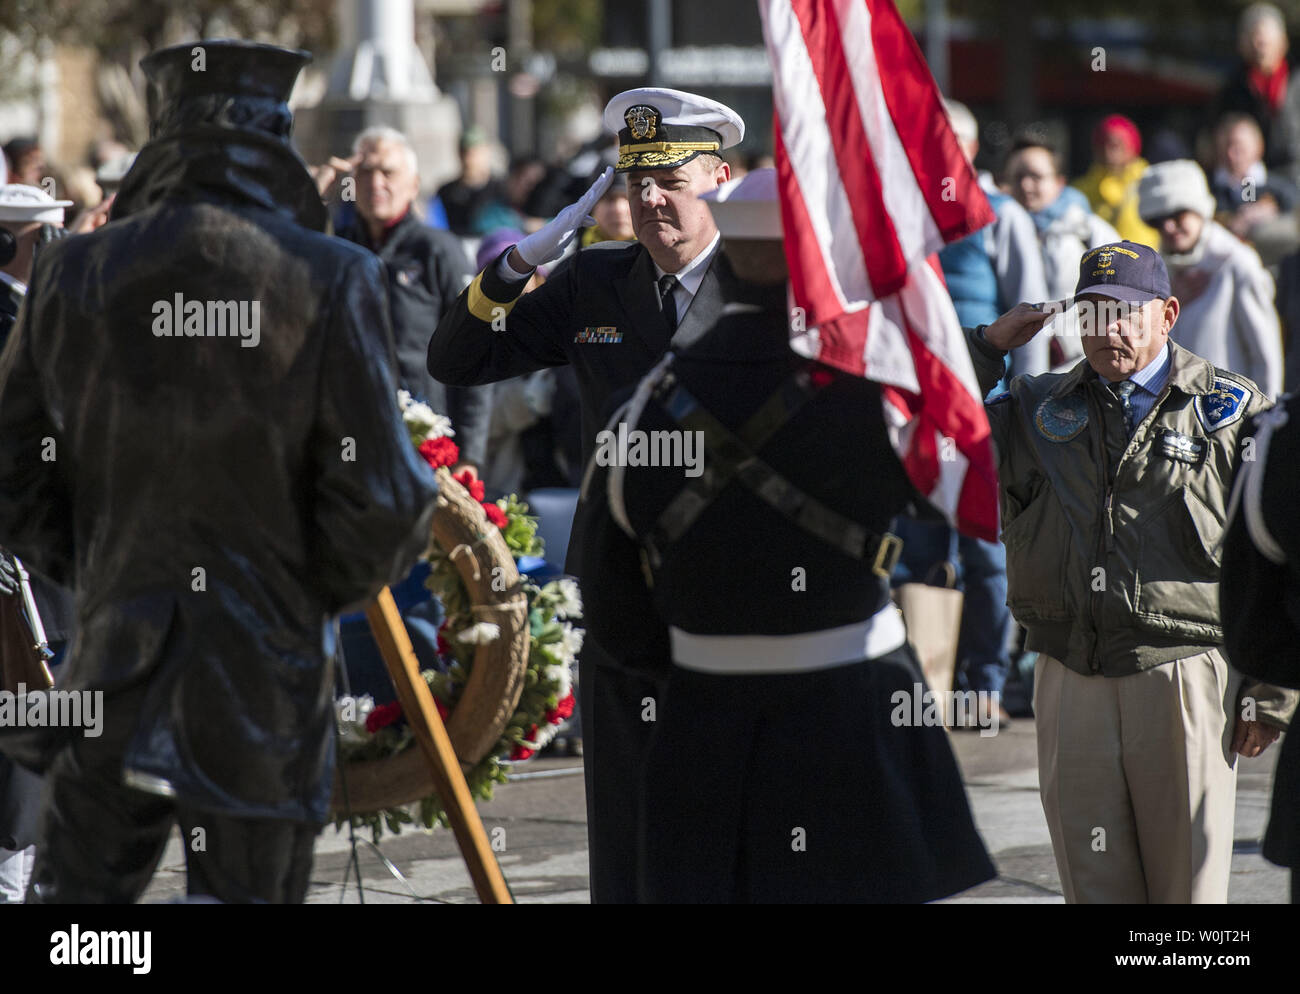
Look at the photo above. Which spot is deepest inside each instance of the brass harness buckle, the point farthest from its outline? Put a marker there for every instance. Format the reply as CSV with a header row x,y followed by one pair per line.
x,y
887,553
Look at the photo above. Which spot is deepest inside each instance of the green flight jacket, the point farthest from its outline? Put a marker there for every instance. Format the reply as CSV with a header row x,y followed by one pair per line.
x,y
1113,542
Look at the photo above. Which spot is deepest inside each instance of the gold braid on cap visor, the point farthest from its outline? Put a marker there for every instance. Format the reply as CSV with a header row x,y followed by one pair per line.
x,y
651,155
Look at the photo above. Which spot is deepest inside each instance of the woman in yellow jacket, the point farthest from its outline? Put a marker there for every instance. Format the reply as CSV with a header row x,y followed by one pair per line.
x,y
1111,184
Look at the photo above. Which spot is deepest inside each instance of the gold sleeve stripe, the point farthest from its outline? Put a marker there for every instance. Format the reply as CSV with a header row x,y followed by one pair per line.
x,y
484,307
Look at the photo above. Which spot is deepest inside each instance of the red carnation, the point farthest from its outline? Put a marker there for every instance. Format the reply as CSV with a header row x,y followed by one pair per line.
x,y
439,452
562,710
383,716
443,648
442,709
496,515
475,487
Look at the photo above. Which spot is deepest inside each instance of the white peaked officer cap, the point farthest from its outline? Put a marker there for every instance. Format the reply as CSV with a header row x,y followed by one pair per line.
x,y
663,129
30,203
747,207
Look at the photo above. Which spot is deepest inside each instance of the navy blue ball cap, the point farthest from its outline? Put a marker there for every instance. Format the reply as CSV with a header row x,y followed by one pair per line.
x,y
1128,271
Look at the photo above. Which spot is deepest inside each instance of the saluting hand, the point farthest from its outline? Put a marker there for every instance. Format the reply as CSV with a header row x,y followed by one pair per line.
x,y
548,242
1020,324
1250,738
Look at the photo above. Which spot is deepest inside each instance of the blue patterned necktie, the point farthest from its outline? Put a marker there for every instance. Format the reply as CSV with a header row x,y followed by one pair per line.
x,y
1124,391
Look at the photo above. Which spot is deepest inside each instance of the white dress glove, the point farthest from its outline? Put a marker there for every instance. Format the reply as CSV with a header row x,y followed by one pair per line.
x,y
547,243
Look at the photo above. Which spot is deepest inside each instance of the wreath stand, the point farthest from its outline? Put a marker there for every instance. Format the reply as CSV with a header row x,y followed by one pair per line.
x,y
435,745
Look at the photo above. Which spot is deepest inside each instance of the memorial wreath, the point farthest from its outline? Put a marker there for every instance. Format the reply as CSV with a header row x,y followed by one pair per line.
x,y
503,684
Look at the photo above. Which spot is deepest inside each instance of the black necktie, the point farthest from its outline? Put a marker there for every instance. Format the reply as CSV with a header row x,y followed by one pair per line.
x,y
666,303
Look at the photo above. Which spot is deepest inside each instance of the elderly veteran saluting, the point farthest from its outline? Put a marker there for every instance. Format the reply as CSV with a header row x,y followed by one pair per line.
x,y
1114,479
612,313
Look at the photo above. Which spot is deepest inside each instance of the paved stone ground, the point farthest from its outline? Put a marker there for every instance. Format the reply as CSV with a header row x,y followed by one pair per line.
x,y
543,814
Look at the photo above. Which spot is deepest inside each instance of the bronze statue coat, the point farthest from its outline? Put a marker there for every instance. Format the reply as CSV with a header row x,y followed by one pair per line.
x,y
211,498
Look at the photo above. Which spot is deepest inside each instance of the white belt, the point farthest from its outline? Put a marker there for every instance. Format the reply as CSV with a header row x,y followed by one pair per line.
x,y
807,651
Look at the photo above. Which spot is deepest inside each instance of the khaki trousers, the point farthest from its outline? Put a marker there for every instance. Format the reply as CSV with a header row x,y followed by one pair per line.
x,y
1138,781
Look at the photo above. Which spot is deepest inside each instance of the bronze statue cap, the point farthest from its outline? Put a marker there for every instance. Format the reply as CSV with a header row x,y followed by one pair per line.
x,y
229,68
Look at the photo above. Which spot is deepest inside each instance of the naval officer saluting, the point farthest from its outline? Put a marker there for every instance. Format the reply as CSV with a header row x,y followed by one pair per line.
x,y
611,314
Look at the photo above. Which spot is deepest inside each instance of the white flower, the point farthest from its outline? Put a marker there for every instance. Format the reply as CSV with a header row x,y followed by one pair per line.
x,y
420,417
351,714
480,633
570,643
562,677
570,605
441,427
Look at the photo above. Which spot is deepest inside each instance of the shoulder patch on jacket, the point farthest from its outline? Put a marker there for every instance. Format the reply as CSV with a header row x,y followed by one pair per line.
x,y
1225,404
1059,419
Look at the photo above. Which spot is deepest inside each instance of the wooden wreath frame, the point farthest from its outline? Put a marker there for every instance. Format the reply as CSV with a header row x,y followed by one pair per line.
x,y
496,681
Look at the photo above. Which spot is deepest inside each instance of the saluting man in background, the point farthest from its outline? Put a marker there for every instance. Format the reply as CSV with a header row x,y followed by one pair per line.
x,y
1114,481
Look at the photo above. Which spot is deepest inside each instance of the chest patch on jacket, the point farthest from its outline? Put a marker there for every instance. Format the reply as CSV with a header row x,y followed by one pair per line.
x,y
1181,448
1222,406
1059,419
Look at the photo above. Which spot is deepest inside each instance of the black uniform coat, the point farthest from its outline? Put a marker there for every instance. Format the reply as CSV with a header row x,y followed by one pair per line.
x,y
599,313
738,759
611,287
426,271
1260,603
54,603
211,504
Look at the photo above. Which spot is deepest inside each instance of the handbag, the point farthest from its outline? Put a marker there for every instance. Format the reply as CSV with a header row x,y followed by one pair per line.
x,y
932,613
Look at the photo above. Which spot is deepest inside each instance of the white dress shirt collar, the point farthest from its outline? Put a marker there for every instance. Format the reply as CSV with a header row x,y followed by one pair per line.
x,y
691,275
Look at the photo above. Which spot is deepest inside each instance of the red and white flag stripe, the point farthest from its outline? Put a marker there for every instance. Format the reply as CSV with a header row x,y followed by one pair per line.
x,y
872,183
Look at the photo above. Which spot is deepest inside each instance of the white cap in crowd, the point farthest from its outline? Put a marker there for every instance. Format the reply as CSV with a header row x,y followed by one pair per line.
x,y
19,203
963,121
1169,187
747,207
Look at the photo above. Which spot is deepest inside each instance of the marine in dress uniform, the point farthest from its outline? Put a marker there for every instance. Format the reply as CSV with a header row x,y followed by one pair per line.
x,y
1260,596
759,588
610,314
1114,481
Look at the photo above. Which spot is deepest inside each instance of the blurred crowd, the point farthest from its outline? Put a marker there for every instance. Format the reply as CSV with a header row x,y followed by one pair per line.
x,y
1220,206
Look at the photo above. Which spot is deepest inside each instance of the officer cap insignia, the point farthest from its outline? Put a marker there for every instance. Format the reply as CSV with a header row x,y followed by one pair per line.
x,y
1059,419
642,121
1224,405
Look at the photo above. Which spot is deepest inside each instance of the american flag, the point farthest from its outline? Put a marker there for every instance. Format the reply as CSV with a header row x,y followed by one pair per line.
x,y
873,183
